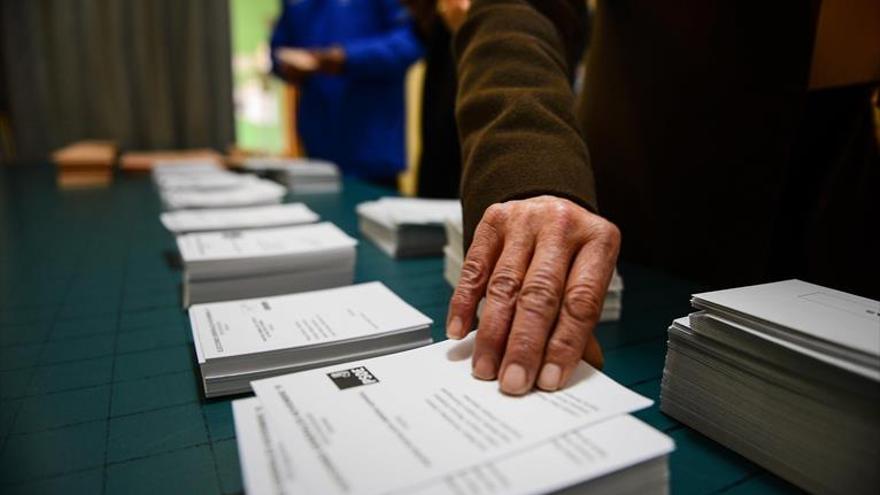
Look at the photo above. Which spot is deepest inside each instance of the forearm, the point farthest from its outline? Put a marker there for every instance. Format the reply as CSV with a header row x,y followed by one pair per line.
x,y
515,106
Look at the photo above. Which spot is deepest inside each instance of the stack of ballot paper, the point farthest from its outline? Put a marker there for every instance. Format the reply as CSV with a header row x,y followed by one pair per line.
x,y
203,184
237,264
241,341
417,422
404,227
453,258
788,375
196,176
85,164
453,252
240,191
613,304
299,175
208,220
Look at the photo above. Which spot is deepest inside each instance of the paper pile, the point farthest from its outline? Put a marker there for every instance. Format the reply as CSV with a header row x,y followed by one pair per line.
x,y
85,164
299,175
417,422
241,341
404,227
207,220
453,251
239,264
201,184
788,375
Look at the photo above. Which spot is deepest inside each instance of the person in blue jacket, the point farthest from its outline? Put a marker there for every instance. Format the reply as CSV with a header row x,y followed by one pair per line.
x,y
349,59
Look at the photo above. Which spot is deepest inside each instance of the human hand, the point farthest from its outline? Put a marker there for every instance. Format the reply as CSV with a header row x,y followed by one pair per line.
x,y
544,265
296,64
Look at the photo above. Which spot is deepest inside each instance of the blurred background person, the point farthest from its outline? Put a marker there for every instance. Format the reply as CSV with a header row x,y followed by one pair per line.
x,y
349,60
440,158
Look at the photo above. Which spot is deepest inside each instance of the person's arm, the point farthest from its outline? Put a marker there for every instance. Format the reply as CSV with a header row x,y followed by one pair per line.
x,y
296,64
515,108
385,55
536,249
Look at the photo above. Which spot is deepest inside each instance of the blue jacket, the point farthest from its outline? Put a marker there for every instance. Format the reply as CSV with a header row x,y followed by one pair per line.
x,y
356,118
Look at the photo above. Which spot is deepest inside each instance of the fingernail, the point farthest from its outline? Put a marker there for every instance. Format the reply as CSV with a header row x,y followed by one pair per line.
x,y
550,377
453,331
514,380
484,368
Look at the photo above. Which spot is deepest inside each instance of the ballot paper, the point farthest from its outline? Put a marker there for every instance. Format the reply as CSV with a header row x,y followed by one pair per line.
x,y
404,227
784,351
227,334
453,251
239,341
202,182
300,175
826,320
205,220
589,456
163,170
240,264
250,192
428,414
784,374
246,252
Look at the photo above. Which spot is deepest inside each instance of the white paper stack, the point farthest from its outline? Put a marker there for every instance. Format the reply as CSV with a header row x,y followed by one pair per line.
x,y
453,251
453,258
613,304
204,184
788,375
299,175
207,220
417,422
403,227
239,264
240,341
248,191
164,170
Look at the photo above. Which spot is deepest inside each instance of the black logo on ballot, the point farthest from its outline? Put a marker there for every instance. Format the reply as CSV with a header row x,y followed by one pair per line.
x,y
354,377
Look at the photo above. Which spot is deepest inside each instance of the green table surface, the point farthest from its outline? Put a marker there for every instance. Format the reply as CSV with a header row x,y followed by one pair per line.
x,y
99,389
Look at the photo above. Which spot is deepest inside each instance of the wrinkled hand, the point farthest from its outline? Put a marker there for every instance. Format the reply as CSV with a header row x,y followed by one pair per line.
x,y
544,265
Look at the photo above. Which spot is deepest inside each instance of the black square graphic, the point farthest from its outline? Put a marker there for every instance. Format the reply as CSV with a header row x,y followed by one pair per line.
x,y
354,377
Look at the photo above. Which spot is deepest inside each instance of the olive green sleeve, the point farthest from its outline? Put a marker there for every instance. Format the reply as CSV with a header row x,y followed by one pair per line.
x,y
515,105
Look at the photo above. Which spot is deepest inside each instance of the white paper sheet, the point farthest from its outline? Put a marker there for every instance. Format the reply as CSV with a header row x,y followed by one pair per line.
x,y
233,328
255,243
206,220
808,311
573,457
387,423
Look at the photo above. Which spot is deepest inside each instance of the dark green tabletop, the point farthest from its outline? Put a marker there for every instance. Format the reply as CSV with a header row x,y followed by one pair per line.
x,y
99,390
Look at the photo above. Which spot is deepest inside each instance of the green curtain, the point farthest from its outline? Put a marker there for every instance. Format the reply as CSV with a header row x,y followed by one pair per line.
x,y
148,74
